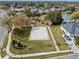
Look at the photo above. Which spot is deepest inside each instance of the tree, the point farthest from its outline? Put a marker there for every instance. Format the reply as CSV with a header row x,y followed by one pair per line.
x,y
55,17
18,21
70,8
12,13
40,4
77,40
27,12
75,16
8,20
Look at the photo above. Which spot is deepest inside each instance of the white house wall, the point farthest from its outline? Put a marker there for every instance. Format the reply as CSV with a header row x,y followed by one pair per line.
x,y
65,31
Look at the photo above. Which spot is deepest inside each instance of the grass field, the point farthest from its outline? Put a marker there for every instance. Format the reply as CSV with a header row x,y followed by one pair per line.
x,y
42,17
33,46
59,39
42,45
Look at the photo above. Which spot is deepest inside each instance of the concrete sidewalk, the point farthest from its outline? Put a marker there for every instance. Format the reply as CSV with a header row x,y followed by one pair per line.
x,y
71,44
56,46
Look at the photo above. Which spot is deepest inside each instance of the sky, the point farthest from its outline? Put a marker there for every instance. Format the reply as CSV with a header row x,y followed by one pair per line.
x,y
39,0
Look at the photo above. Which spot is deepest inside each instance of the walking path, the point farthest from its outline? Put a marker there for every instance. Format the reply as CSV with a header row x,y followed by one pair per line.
x,y
39,54
0,56
9,54
6,57
57,48
9,42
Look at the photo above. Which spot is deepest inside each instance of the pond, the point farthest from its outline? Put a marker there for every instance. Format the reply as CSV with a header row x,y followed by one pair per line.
x,y
66,17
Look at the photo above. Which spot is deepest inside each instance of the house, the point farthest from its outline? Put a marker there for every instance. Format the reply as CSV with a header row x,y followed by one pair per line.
x,y
70,29
52,9
17,9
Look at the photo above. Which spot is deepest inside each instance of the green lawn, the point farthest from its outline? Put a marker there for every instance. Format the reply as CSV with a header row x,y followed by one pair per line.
x,y
42,22
34,46
42,17
59,39
45,56
41,45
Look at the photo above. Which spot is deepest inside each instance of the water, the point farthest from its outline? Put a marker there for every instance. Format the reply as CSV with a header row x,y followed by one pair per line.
x,y
66,17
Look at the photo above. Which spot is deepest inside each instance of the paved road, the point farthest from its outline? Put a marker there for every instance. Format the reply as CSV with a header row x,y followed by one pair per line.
x,y
3,33
3,30
74,56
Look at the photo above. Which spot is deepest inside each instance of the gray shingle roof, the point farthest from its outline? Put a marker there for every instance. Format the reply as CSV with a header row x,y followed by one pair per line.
x,y
72,28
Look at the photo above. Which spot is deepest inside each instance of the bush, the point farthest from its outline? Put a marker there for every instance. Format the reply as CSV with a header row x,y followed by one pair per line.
x,y
18,45
25,31
77,40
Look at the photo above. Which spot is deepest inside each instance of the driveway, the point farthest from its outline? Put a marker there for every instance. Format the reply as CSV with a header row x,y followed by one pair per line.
x,y
72,46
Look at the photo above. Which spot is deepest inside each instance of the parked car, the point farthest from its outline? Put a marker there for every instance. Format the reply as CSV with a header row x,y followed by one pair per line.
x,y
67,37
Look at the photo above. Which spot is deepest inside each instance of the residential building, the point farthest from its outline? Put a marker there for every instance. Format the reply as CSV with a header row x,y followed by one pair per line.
x,y
70,29
17,9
